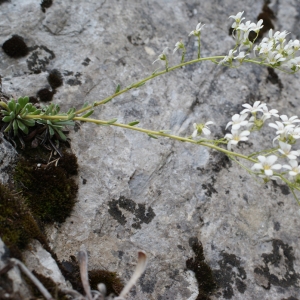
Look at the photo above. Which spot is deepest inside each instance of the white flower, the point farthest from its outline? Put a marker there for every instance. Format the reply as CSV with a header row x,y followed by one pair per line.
x,y
294,132
162,56
245,26
266,165
293,64
268,114
238,17
197,31
256,107
296,45
282,130
280,36
201,128
178,45
241,56
238,121
257,27
274,58
285,150
289,121
293,167
265,48
228,58
235,136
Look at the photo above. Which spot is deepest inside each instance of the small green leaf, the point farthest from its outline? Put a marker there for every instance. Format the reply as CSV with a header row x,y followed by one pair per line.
x,y
133,123
85,105
118,89
4,112
7,119
88,114
71,116
22,126
23,101
139,85
29,122
18,108
51,131
15,126
112,121
7,129
71,111
35,112
152,136
4,105
62,135
11,105
109,99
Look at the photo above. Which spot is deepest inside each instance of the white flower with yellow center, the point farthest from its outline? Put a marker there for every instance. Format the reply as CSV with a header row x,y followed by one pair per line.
x,y
235,136
266,165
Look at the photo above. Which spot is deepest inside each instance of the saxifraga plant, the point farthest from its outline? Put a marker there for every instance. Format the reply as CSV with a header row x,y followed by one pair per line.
x,y
273,51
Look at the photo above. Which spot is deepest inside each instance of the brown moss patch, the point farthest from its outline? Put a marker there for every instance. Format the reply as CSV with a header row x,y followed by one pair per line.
x,y
55,79
45,95
110,279
15,47
17,225
48,189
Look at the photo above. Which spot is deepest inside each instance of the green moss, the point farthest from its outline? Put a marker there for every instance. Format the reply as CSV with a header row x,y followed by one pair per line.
x,y
48,190
17,225
203,272
110,279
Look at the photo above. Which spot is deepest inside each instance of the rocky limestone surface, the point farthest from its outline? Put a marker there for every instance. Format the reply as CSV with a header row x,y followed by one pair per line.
x,y
161,196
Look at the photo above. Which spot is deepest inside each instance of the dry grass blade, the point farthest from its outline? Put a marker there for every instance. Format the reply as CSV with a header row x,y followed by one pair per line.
x,y
37,283
139,270
83,266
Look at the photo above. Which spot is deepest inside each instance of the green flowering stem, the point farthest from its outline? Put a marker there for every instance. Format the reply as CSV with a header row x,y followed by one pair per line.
x,y
213,59
141,82
147,131
199,46
183,55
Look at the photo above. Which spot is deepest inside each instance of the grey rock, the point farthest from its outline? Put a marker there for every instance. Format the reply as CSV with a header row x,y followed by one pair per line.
x,y
8,157
39,260
139,193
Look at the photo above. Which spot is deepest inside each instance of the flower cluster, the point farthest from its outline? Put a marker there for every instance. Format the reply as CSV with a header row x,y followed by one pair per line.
x,y
275,51
240,126
252,118
272,50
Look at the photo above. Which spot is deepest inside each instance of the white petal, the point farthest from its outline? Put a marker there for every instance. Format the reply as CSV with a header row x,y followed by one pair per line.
x,y
236,126
206,131
271,159
269,172
276,167
195,133
257,166
209,123
261,158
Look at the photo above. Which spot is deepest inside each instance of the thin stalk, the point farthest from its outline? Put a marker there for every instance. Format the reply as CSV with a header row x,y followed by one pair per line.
x,y
159,133
141,82
199,46
147,131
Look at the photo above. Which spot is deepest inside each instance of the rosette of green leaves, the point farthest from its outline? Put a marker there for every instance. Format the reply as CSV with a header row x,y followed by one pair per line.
x,y
14,113
56,126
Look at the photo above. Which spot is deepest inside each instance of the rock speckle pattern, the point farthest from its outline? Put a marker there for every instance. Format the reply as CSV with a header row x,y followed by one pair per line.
x,y
172,191
8,157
